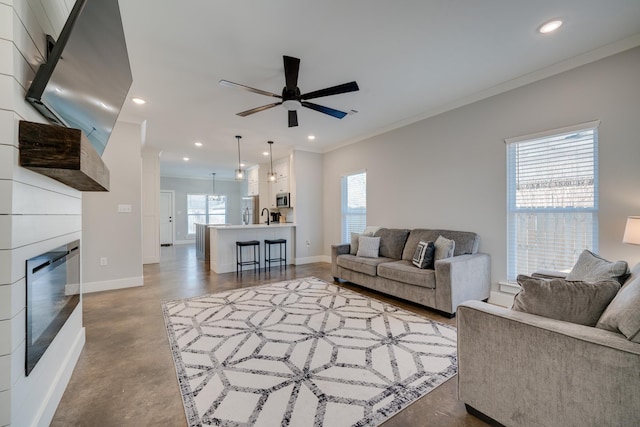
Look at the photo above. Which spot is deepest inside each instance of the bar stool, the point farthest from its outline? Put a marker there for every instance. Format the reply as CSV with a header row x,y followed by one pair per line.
x,y
282,258
255,261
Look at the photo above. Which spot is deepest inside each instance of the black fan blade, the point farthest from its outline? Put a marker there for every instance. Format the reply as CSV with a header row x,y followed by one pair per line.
x,y
250,89
293,118
257,109
291,68
330,111
334,90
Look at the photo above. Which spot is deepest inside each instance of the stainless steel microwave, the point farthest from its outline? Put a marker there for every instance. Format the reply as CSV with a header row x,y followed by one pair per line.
x,y
283,200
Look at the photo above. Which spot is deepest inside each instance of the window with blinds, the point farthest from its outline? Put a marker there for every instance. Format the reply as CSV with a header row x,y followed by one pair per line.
x,y
354,204
552,199
205,209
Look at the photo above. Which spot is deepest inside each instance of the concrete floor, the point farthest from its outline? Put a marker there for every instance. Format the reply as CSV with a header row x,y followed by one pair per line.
x,y
125,375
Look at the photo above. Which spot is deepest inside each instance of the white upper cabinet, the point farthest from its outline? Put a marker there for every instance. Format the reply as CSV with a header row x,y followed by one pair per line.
x,y
253,179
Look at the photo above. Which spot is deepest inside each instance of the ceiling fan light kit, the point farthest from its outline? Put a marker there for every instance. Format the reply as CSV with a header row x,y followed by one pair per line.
x,y
291,97
239,172
271,175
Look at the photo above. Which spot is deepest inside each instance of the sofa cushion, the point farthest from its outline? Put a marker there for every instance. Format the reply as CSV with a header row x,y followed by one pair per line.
x,y
444,248
466,242
623,314
593,268
363,265
406,272
368,247
392,242
560,299
423,258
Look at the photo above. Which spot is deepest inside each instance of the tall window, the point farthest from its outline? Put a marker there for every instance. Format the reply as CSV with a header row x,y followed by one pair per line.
x,y
552,199
354,204
205,209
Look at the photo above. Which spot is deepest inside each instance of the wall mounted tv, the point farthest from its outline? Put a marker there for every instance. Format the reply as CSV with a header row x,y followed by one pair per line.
x,y
87,75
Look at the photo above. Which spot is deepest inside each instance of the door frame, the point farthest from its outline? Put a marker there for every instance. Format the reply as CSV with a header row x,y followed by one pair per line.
x,y
173,215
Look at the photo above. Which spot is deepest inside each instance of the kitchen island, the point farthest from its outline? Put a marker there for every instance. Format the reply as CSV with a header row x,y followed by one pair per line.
x,y
222,243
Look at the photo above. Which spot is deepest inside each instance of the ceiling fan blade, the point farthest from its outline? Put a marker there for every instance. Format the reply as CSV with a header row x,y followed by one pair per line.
x,y
257,109
334,90
330,111
293,118
291,68
250,89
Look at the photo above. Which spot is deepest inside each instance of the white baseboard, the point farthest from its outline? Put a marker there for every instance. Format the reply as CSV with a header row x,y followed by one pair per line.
x,y
312,259
500,298
151,260
109,285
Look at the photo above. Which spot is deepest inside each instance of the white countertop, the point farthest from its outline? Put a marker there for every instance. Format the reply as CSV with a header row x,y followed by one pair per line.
x,y
251,226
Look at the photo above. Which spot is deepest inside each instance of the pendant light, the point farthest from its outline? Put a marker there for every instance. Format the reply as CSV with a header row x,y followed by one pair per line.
x,y
214,196
239,172
271,175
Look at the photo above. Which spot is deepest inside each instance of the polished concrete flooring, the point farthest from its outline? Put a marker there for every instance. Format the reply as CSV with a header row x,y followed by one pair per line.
x,y
125,375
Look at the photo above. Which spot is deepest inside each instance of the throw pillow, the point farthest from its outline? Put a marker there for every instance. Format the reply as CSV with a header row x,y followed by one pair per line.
x,y
592,268
623,314
354,243
560,299
423,256
368,247
370,230
444,248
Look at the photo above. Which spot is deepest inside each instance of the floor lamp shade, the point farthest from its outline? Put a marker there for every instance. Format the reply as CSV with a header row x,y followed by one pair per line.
x,y
632,231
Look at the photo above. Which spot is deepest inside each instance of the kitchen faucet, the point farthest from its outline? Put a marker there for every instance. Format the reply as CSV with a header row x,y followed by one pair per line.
x,y
268,214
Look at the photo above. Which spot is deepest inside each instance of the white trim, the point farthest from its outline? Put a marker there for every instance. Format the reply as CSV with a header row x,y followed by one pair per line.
x,y
109,285
173,214
313,259
499,298
559,131
509,287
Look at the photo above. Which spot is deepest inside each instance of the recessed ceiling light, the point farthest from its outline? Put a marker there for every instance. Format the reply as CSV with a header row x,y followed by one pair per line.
x,y
198,144
186,159
549,27
242,165
265,153
139,101
311,137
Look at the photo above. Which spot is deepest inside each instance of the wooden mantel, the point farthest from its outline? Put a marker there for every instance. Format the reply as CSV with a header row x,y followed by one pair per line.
x,y
63,154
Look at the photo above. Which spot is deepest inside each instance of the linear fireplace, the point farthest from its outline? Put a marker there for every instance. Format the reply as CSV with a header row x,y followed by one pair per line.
x,y
53,292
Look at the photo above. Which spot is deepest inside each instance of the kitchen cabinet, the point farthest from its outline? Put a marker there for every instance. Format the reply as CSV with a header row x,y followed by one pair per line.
x,y
253,178
281,168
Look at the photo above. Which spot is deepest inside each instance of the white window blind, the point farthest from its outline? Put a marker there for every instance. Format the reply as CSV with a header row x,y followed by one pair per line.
x,y
205,209
552,199
354,204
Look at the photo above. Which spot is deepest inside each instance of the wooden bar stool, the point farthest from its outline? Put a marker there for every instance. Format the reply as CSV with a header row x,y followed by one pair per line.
x,y
256,259
282,258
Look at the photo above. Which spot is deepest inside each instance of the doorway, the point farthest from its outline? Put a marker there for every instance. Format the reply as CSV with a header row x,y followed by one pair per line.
x,y
166,218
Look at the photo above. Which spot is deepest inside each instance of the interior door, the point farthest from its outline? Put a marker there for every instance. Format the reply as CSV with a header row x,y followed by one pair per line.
x,y
166,218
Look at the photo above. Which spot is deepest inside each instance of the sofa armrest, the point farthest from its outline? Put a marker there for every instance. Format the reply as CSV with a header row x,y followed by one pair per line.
x,y
522,369
461,278
340,249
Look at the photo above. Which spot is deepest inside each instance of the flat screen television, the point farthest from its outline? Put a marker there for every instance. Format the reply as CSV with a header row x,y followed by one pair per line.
x,y
86,77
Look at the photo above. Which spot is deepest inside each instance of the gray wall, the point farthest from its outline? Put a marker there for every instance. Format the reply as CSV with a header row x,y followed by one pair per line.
x,y
182,186
449,171
108,233
307,198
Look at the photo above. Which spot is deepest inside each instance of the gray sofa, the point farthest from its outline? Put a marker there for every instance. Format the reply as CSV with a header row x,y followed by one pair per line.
x,y
520,369
465,276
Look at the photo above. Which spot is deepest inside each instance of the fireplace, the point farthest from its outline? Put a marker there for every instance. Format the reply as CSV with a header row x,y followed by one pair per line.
x,y
53,292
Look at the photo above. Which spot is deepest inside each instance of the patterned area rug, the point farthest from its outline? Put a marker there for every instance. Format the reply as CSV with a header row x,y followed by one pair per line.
x,y
303,353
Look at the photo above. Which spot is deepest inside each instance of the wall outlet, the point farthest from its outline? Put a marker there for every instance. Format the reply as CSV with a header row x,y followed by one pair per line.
x,y
308,243
103,261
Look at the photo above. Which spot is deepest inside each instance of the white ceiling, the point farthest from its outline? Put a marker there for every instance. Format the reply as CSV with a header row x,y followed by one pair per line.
x,y
411,59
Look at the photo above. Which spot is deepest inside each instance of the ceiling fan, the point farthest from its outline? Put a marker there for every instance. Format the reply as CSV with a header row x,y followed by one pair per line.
x,y
291,98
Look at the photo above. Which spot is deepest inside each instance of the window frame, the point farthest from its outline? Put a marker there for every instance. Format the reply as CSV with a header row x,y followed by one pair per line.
x,y
345,231
512,210
206,213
